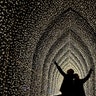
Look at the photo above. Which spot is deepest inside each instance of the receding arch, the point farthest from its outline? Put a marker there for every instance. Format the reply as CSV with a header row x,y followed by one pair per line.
x,y
60,25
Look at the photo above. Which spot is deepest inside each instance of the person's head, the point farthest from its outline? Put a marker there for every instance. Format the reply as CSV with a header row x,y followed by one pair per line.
x,y
76,76
70,71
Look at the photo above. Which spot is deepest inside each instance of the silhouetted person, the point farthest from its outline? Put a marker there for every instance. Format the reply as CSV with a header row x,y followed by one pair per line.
x,y
78,84
67,84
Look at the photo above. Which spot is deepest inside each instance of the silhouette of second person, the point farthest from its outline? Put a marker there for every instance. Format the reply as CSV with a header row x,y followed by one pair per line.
x,y
78,84
67,84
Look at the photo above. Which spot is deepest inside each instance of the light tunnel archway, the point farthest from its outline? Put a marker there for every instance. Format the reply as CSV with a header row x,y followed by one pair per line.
x,y
84,70
55,37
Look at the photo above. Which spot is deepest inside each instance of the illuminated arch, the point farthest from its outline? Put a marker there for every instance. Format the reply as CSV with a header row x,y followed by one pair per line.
x,y
53,39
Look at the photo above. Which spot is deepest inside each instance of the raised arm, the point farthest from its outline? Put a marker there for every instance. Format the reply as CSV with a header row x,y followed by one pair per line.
x,y
59,68
87,77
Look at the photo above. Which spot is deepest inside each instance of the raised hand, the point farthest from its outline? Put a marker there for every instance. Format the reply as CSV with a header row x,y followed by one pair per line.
x,y
59,68
91,70
55,63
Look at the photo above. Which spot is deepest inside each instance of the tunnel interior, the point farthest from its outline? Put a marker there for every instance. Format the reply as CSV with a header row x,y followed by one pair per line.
x,y
34,34
69,42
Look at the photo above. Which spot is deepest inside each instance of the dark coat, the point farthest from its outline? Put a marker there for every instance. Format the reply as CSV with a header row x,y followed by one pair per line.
x,y
79,85
78,88
67,84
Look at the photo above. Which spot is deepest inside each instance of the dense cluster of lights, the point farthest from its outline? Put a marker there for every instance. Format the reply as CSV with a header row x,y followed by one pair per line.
x,y
34,34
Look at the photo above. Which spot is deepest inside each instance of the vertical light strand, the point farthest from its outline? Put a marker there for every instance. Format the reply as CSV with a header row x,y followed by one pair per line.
x,y
69,37
69,50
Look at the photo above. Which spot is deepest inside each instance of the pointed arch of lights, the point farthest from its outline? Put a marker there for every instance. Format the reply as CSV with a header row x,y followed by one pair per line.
x,y
67,39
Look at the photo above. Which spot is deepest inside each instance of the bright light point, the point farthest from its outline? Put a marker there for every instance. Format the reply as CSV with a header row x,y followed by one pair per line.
x,y
58,93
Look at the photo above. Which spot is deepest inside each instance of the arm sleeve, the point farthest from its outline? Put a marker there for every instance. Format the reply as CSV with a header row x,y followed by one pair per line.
x,y
60,70
87,77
